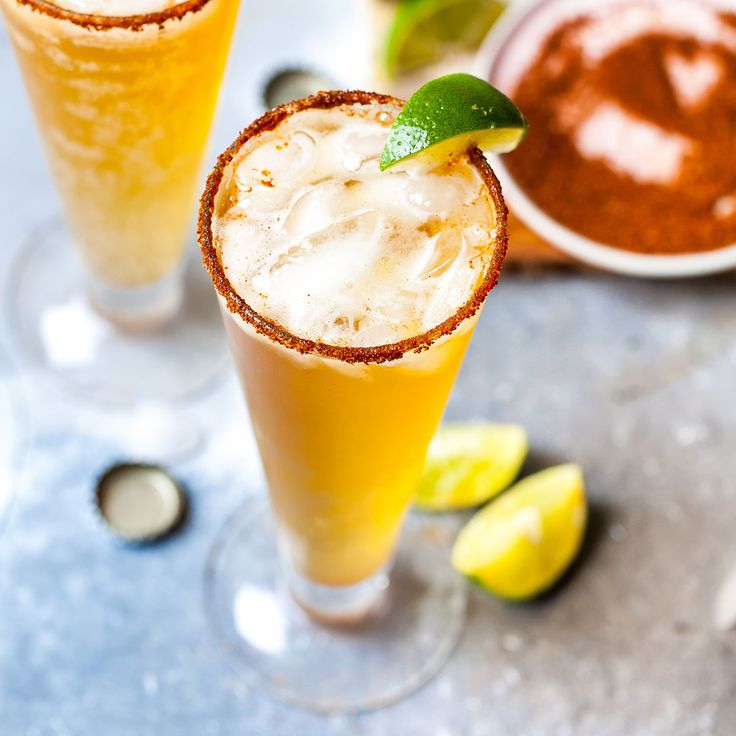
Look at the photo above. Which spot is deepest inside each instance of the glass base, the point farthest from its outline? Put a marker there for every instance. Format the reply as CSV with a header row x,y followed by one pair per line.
x,y
140,352
415,617
139,309
332,605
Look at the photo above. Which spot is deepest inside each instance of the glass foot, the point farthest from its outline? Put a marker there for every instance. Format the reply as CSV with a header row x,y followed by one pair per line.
x,y
58,331
331,605
334,668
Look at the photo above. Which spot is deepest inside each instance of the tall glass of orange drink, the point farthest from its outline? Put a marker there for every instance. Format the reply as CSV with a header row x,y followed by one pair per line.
x,y
124,93
349,297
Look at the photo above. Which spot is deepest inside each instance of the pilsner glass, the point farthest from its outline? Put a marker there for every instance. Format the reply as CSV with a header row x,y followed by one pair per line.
x,y
124,104
342,416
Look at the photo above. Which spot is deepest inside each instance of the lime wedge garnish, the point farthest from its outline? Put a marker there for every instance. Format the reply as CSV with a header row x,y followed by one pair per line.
x,y
451,114
423,31
521,544
468,464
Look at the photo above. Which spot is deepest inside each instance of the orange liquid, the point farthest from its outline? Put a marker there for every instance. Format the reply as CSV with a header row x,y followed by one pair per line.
x,y
124,116
343,445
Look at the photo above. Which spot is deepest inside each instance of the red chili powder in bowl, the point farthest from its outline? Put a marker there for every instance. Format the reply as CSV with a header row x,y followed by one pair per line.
x,y
632,137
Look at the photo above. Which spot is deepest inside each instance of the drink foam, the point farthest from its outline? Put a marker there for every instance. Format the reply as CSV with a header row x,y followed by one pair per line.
x,y
116,8
315,238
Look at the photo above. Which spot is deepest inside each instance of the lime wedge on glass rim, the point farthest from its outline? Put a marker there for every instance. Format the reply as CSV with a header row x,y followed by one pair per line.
x,y
469,463
520,545
449,115
423,31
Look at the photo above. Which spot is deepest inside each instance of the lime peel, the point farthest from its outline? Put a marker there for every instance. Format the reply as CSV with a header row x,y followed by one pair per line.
x,y
450,115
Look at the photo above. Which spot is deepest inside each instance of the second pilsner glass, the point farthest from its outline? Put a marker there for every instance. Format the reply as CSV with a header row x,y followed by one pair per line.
x,y
124,104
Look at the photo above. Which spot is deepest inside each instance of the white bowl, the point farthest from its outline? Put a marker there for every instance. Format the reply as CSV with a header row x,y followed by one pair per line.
x,y
486,66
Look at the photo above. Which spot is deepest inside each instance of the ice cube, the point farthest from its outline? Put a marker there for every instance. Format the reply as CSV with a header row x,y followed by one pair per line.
x,y
314,210
359,146
432,194
291,255
361,225
280,160
318,265
445,250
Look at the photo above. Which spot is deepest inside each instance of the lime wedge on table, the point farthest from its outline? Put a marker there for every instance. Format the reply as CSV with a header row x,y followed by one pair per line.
x,y
449,115
423,31
468,464
521,544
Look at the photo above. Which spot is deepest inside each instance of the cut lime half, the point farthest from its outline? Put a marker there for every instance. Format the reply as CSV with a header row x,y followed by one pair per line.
x,y
424,31
470,463
451,114
521,544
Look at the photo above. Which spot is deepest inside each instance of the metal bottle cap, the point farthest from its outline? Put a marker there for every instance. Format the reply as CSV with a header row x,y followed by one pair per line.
x,y
139,502
293,84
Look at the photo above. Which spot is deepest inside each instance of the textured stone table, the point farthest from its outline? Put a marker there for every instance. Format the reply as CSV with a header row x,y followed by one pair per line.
x,y
634,380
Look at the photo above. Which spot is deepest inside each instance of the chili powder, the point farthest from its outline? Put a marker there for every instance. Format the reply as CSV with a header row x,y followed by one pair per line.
x,y
686,201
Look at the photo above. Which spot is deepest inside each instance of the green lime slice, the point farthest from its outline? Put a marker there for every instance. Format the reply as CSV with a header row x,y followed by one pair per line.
x,y
468,464
521,544
424,31
451,114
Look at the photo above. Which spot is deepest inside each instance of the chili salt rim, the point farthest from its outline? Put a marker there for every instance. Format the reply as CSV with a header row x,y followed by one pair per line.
x,y
274,331
107,22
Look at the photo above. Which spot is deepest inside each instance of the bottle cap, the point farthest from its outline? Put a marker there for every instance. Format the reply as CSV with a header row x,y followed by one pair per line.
x,y
139,502
294,84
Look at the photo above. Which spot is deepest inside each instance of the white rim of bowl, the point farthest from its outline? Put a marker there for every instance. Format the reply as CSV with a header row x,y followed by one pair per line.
x,y
589,251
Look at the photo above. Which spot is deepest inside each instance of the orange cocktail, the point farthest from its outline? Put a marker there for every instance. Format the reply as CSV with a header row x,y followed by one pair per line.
x,y
349,296
124,104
